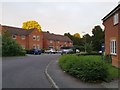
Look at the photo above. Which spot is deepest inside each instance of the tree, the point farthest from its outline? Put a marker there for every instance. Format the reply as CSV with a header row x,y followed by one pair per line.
x,y
97,37
77,35
31,25
10,47
76,41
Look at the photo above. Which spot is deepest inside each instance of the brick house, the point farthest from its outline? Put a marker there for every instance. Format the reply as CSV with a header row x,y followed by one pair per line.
x,y
29,39
112,35
55,41
26,38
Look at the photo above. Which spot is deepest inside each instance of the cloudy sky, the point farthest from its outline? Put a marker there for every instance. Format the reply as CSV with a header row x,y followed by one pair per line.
x,y
57,17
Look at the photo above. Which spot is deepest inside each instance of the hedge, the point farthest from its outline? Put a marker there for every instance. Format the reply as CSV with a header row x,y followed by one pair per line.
x,y
86,68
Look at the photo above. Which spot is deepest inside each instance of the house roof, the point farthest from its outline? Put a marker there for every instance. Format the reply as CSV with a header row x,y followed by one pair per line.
x,y
112,12
16,30
55,37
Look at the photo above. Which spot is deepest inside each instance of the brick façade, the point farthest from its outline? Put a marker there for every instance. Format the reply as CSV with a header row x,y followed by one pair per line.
x,y
43,42
112,32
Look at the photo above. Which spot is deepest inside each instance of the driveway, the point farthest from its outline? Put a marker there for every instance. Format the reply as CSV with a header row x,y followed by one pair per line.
x,y
26,72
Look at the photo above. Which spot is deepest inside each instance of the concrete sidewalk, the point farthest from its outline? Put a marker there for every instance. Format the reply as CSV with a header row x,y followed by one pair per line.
x,y
64,80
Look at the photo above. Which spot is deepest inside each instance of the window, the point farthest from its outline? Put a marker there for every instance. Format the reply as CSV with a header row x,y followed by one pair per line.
x,y
38,38
14,36
51,41
22,37
34,46
34,37
23,46
38,46
113,47
116,19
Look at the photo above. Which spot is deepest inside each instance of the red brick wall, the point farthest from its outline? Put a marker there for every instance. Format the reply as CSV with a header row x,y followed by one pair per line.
x,y
31,42
55,44
112,32
28,42
21,41
119,40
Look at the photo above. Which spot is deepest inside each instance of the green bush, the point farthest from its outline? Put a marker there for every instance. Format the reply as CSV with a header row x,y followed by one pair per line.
x,y
10,47
87,68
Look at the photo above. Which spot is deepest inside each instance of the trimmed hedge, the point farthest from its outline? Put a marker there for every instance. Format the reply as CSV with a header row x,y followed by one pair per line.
x,y
87,68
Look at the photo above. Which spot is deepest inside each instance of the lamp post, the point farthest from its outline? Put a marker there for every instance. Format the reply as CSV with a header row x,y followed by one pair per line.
x,y
85,40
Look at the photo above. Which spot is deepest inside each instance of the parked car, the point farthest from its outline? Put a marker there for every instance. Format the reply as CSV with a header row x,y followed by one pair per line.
x,y
77,51
34,51
50,51
67,50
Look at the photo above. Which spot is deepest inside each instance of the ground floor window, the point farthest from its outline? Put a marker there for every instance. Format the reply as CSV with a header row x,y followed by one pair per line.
x,y
23,46
34,46
38,46
113,47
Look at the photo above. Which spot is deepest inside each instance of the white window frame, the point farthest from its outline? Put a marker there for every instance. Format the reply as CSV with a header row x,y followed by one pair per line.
x,y
14,37
113,45
38,46
51,41
116,19
22,37
38,38
23,46
34,46
34,37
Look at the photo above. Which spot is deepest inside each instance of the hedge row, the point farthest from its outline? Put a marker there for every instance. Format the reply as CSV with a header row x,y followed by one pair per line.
x,y
87,68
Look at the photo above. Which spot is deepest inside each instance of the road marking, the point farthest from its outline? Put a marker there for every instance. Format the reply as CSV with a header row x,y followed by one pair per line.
x,y
50,78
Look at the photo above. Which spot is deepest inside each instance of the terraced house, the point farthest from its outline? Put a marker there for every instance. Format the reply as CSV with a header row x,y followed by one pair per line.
x,y
29,39
112,35
51,40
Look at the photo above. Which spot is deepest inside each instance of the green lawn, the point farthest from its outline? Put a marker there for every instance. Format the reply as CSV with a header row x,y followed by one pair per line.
x,y
114,72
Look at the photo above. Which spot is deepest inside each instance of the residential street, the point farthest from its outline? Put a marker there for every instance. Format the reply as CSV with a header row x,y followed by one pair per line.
x,y
30,72
26,72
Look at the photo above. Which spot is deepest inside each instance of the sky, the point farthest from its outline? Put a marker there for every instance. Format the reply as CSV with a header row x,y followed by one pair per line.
x,y
57,17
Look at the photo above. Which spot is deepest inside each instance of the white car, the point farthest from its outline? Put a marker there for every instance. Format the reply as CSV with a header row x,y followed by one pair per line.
x,y
50,51
67,50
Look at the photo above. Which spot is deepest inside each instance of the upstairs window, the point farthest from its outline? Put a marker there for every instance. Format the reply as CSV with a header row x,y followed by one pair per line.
x,y
34,37
14,36
113,47
116,19
38,38
51,41
22,37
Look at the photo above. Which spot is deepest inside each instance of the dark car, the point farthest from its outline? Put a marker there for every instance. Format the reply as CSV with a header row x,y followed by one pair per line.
x,y
34,51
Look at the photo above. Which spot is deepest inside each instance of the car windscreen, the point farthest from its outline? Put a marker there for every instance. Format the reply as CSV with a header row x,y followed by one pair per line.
x,y
66,47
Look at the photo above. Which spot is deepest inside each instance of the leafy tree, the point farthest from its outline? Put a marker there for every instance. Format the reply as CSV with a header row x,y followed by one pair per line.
x,y
76,41
89,47
98,37
31,25
77,35
10,47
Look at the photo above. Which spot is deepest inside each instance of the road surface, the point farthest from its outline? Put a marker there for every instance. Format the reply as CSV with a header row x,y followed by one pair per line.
x,y
26,72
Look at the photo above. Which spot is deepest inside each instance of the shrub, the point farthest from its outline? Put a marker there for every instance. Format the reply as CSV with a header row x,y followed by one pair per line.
x,y
87,68
10,47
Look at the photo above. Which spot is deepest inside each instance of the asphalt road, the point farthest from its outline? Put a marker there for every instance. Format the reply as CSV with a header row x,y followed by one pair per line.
x,y
26,72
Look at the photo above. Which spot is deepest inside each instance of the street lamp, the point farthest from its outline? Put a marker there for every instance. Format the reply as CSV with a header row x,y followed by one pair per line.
x,y
85,40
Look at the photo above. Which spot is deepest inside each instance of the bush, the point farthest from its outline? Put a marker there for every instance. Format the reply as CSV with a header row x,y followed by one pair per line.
x,y
10,47
87,68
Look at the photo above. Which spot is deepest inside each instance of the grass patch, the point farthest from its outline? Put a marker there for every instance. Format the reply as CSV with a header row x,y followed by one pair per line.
x,y
88,68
